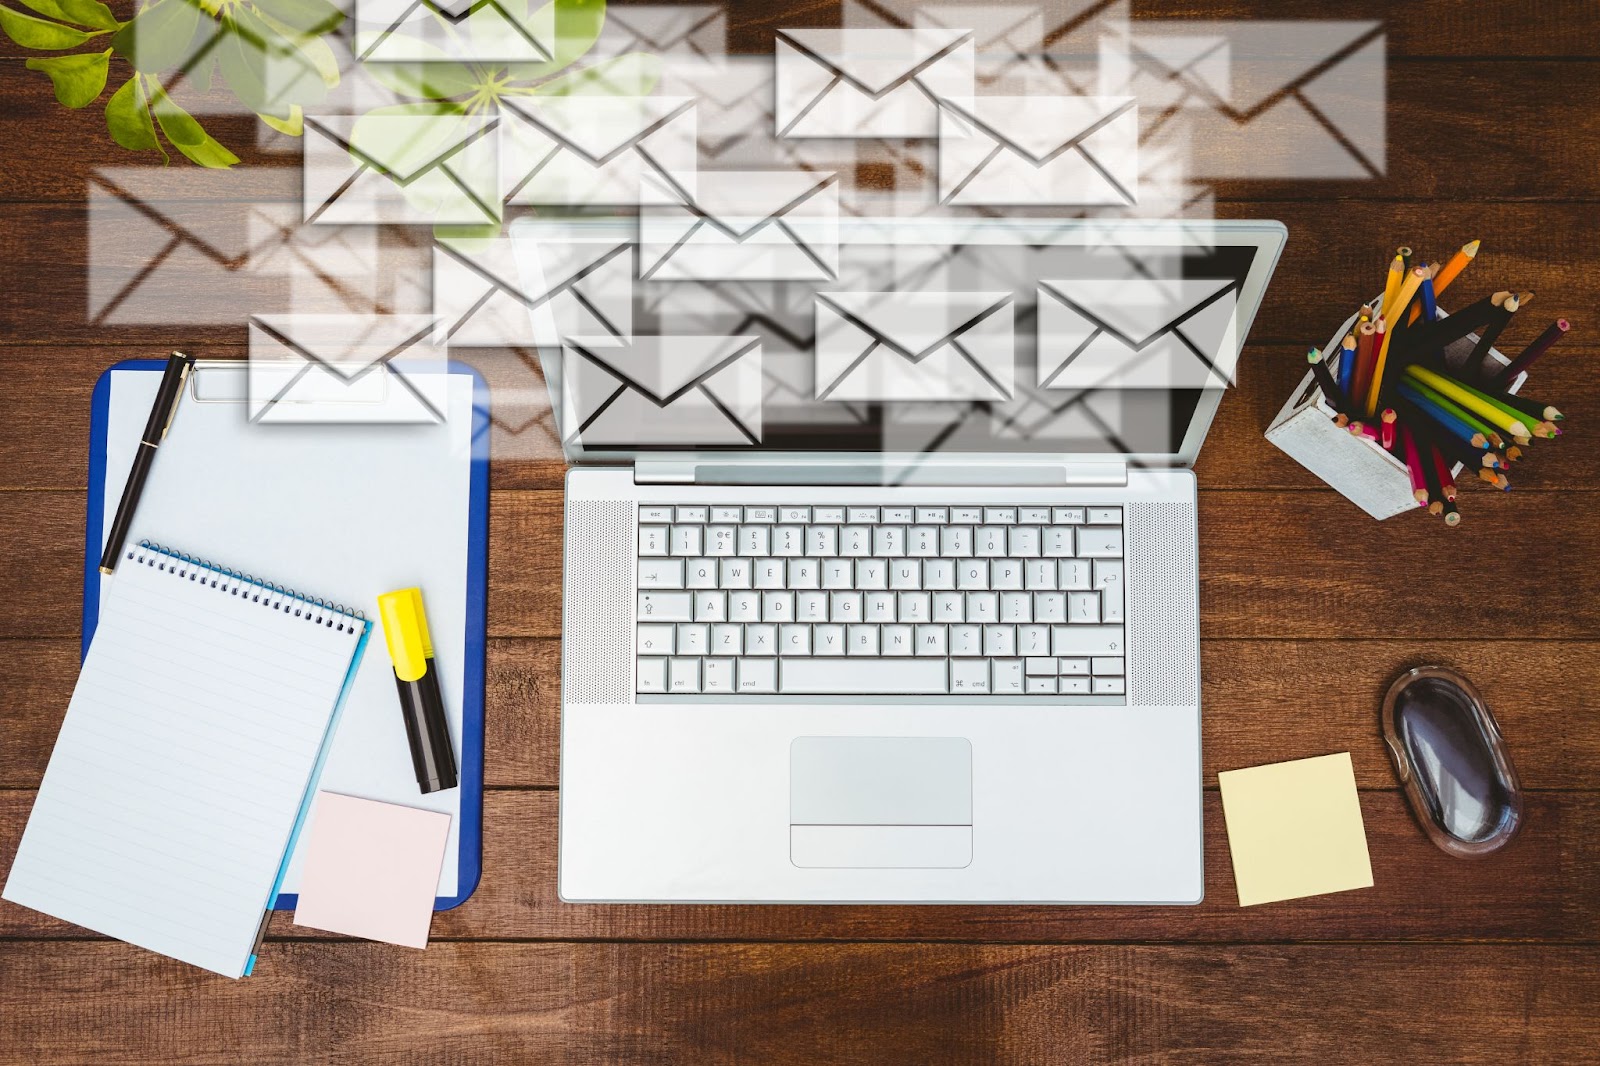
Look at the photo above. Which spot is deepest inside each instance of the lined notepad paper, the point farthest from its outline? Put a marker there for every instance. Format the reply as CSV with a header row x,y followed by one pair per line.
x,y
184,763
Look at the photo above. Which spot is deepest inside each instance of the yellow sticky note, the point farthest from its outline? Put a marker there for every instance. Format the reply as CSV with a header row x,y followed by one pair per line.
x,y
1295,829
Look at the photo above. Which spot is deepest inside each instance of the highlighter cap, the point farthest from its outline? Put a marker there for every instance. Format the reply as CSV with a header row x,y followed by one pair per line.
x,y
405,631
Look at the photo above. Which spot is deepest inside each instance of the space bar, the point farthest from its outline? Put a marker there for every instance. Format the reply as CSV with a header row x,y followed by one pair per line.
x,y
868,676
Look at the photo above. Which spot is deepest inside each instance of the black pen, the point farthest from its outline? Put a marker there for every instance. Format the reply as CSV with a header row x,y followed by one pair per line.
x,y
155,430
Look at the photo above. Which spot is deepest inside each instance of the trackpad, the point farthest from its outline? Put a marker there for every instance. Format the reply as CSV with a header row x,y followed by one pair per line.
x,y
880,802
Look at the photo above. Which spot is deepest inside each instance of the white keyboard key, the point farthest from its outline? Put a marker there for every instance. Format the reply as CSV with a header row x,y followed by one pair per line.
x,y
1083,608
838,574
758,675
804,574
1022,542
789,541
1073,667
931,641
828,516
761,514
666,607
822,541
955,542
846,607
969,675
969,516
972,574
939,574
901,516
1086,640
827,640
735,573
652,675
999,640
777,607
1007,677
701,574
761,639
769,573
896,640
915,607
744,606
710,606
794,514
717,675
694,514
1073,686
654,540
862,515
661,573
1109,516
1033,516
950,607
1033,640
922,541
1039,575
1036,665
727,640
1068,516
1074,574
861,640
855,541
1050,607
724,515
880,607
1057,542
872,574
1100,542
1105,667
722,541
1040,686
889,542
933,515
683,675
989,542
966,640
653,515
905,574
693,639
754,540
686,540
1108,578
655,639
1109,686
1000,515
1005,574
794,639
983,607
811,606
1016,607
867,676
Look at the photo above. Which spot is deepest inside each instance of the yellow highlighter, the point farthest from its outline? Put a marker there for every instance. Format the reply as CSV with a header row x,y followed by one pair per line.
x,y
405,630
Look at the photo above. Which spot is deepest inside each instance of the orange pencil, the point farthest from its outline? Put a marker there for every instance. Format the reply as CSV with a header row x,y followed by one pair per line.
x,y
1368,338
1457,264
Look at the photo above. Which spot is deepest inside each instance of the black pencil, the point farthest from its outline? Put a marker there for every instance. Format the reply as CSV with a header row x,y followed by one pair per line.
x,y
1429,338
1477,364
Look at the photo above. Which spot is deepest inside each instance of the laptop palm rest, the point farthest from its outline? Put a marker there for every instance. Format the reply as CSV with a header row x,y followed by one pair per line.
x,y
880,802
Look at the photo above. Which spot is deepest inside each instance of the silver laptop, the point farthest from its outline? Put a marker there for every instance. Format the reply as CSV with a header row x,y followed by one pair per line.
x,y
880,585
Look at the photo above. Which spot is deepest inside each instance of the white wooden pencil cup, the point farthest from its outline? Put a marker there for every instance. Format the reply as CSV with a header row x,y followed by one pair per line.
x,y
1354,465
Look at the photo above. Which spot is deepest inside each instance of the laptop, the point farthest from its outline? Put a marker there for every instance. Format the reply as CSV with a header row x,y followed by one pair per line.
x,y
880,584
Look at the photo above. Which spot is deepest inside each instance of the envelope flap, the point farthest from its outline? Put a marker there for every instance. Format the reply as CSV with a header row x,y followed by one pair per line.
x,y
1140,308
1267,58
404,146
666,367
1040,126
876,59
345,345
658,25
914,323
991,24
741,200
598,127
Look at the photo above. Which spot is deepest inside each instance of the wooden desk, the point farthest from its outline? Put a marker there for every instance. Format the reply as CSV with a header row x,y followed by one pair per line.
x,y
1309,609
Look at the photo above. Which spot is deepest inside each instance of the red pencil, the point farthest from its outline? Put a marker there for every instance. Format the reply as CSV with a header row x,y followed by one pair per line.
x,y
1447,483
1419,483
1387,432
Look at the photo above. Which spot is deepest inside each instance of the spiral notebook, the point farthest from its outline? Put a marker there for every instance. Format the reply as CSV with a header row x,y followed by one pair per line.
x,y
184,767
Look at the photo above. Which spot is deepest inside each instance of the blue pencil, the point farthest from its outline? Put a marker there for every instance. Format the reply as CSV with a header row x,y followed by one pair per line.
x,y
1347,365
1435,413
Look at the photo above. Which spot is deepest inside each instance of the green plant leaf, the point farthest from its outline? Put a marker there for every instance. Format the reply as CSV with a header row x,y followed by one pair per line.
x,y
315,50
630,74
576,26
128,119
308,16
78,78
429,81
91,13
293,126
187,135
164,35
402,137
264,69
43,34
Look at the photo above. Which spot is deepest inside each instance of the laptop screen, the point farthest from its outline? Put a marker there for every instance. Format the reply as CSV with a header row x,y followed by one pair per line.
x,y
907,337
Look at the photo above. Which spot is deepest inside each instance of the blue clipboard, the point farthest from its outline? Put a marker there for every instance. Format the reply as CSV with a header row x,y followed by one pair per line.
x,y
471,755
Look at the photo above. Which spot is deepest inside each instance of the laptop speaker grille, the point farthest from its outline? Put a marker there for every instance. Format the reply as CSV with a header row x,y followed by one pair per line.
x,y
597,616
1163,599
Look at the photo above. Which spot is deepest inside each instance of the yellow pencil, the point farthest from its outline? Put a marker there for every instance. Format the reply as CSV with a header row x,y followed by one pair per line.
x,y
1457,264
1401,299
1397,277
1468,399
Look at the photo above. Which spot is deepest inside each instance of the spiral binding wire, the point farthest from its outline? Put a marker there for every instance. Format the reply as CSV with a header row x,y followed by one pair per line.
x,y
335,616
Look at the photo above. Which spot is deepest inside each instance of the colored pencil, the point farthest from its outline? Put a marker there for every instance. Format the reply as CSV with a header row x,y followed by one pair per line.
x,y
1419,484
1484,435
1446,421
1416,308
1407,290
1532,352
1456,265
1476,365
1524,409
1391,286
1347,364
1361,429
1428,338
1325,382
1447,480
1366,351
1466,398
1403,253
1452,517
1386,429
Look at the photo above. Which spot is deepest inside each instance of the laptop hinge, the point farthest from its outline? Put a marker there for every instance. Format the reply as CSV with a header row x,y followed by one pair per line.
x,y
859,471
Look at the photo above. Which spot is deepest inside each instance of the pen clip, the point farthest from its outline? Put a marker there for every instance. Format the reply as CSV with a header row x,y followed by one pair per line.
x,y
177,397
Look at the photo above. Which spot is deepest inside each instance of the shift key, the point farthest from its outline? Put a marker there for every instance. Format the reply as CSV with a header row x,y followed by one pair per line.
x,y
668,607
1086,640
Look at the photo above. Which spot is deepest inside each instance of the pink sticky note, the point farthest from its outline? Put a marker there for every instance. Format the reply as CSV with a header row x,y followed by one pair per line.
x,y
371,869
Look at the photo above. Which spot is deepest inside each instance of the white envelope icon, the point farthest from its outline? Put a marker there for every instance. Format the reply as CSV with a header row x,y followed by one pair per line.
x,y
566,283
665,30
917,345
1166,71
734,112
422,31
364,369
869,83
684,391
1137,333
1002,150
586,150
410,169
741,224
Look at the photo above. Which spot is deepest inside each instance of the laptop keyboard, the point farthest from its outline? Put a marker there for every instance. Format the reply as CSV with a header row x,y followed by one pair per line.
x,y
875,601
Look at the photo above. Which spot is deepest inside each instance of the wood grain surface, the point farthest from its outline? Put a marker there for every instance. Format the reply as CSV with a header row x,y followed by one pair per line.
x,y
1308,610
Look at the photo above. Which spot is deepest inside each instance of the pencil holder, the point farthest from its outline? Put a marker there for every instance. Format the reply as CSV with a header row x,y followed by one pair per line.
x,y
1355,466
